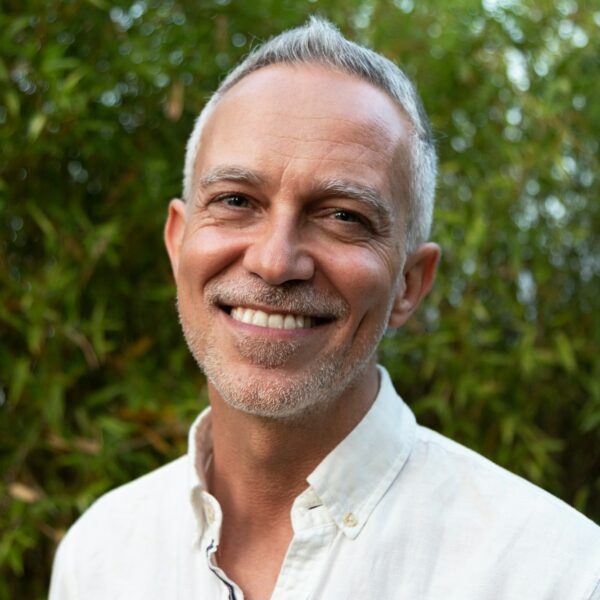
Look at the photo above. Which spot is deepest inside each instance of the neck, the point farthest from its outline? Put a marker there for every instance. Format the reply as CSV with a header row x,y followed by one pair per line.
x,y
260,465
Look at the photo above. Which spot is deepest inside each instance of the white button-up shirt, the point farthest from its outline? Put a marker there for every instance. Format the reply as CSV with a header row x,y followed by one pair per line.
x,y
395,511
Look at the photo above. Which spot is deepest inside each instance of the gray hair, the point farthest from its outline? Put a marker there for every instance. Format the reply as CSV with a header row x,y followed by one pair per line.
x,y
321,42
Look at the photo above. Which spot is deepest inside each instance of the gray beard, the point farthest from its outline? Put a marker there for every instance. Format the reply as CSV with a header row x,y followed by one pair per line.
x,y
292,397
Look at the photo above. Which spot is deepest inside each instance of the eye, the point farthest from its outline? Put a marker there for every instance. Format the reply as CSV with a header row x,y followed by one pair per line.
x,y
348,217
234,201
232,207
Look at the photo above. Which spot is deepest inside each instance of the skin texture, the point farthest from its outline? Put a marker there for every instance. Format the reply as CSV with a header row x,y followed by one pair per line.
x,y
298,208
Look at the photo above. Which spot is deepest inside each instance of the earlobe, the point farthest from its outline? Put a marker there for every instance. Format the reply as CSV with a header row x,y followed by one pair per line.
x,y
173,232
418,278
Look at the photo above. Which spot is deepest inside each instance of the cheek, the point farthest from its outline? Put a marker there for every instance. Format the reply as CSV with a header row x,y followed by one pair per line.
x,y
206,253
367,283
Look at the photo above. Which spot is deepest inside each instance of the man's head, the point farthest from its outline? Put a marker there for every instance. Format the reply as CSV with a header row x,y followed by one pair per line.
x,y
290,253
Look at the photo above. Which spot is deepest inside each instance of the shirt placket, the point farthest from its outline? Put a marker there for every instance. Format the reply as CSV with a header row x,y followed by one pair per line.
x,y
213,518
314,532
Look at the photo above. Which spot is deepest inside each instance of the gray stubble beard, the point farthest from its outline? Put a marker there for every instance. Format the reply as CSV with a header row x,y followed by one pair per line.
x,y
279,397
271,397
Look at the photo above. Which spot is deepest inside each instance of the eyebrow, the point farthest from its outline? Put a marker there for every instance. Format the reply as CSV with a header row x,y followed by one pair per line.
x,y
230,173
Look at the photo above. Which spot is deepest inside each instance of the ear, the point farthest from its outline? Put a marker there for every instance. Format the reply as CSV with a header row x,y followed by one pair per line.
x,y
417,279
173,232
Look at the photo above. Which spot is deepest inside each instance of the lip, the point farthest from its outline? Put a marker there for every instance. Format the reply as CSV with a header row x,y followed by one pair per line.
x,y
274,310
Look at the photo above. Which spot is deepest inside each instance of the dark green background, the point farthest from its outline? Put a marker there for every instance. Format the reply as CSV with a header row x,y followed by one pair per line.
x,y
96,102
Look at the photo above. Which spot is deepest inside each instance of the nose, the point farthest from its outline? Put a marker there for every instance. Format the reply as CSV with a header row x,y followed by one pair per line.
x,y
276,253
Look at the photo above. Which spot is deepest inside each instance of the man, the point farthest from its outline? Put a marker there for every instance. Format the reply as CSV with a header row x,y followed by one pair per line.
x,y
308,193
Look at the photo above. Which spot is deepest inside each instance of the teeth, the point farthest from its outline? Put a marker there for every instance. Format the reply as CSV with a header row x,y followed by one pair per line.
x,y
275,320
260,318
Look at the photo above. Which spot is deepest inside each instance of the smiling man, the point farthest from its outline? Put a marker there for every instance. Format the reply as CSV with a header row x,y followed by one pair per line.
x,y
302,236
289,250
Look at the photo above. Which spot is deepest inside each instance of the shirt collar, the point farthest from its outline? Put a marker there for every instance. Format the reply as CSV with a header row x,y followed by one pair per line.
x,y
199,454
356,474
352,478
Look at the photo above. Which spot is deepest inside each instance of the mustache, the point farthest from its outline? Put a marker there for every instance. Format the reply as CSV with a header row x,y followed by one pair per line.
x,y
296,297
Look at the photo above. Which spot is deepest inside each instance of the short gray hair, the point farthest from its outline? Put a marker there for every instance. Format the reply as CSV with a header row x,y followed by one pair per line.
x,y
321,42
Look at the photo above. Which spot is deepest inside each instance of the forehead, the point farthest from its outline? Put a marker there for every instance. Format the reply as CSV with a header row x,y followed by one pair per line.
x,y
308,117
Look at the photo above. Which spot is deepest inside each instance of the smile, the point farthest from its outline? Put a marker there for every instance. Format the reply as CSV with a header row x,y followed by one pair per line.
x,y
260,318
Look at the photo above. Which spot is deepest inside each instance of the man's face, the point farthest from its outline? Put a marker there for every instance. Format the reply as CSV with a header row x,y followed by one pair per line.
x,y
288,258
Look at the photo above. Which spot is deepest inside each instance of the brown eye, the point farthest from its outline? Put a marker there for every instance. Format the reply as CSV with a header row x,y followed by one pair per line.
x,y
234,201
347,216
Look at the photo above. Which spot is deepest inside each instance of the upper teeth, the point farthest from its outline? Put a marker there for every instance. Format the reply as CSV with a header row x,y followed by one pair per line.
x,y
277,321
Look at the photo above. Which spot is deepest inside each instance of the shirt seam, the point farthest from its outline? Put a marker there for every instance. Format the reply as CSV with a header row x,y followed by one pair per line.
x,y
595,594
385,482
373,499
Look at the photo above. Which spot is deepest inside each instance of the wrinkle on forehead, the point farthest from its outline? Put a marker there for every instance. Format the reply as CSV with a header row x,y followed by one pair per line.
x,y
371,136
364,133
365,145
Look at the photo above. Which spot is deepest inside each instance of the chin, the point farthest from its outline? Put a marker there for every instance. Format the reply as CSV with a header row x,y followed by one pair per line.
x,y
275,394
282,395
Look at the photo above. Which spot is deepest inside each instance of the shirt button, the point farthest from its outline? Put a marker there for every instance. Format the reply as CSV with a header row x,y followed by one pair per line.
x,y
210,514
350,520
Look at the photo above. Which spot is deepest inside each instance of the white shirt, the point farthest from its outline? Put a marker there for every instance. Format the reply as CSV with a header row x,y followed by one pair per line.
x,y
394,512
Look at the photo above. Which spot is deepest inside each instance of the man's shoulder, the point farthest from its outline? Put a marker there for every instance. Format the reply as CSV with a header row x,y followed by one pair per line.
x,y
485,524
486,477
123,535
493,495
143,501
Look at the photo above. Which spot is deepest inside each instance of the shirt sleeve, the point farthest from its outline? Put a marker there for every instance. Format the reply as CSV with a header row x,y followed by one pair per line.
x,y
62,582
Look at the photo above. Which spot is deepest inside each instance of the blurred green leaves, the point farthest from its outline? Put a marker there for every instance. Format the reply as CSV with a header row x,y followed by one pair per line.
x,y
97,99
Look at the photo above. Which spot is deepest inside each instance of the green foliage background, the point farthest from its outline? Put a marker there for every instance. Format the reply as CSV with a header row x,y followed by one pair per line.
x,y
96,102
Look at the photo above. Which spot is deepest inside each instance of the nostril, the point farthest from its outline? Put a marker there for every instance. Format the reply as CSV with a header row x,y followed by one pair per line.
x,y
278,255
